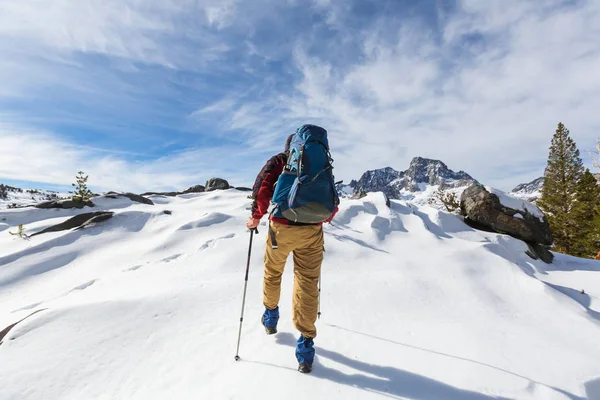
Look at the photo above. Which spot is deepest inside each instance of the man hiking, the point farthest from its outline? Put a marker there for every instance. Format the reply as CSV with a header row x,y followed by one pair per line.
x,y
300,184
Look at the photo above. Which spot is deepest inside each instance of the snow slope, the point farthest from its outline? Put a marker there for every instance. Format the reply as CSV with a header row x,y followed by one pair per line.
x,y
416,305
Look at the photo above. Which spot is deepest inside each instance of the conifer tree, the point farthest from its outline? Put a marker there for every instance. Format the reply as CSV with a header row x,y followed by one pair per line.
x,y
561,177
81,193
586,214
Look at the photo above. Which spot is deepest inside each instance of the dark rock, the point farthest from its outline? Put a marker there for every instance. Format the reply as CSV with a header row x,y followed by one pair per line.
x,y
195,189
483,207
168,212
387,200
78,221
168,194
216,184
539,252
132,196
244,189
65,204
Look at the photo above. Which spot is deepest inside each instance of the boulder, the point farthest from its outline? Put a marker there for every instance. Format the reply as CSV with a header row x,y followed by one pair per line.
x,y
216,184
485,208
484,211
64,204
195,189
131,196
78,221
540,252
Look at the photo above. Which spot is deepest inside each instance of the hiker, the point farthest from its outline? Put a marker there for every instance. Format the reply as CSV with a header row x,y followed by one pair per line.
x,y
304,169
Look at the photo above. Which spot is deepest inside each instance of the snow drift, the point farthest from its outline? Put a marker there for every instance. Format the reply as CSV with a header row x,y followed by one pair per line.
x,y
415,305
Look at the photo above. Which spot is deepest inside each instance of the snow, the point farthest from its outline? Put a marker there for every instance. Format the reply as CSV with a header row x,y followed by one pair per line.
x,y
516,203
518,215
416,305
28,198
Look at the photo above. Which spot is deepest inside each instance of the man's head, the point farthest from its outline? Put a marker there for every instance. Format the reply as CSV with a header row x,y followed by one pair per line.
x,y
288,142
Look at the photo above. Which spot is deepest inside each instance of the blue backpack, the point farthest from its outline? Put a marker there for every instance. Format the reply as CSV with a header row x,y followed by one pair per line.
x,y
305,190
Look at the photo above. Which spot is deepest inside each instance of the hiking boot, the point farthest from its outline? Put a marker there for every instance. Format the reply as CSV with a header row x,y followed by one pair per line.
x,y
269,320
305,368
305,354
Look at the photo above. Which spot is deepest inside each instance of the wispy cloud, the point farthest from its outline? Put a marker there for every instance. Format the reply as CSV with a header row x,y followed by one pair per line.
x,y
108,84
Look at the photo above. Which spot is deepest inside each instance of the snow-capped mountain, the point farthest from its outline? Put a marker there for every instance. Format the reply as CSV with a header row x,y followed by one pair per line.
x,y
16,197
417,183
531,191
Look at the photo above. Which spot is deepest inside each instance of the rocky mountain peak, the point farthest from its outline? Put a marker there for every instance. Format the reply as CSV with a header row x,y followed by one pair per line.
x,y
420,171
530,188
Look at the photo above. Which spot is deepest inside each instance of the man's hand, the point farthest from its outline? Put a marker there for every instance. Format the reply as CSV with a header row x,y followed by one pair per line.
x,y
252,223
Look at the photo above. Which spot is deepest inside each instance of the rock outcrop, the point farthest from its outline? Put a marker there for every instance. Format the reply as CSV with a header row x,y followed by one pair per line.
x,y
79,221
65,204
483,208
216,184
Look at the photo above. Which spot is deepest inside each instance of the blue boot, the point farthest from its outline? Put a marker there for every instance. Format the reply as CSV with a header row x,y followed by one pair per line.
x,y
305,354
270,319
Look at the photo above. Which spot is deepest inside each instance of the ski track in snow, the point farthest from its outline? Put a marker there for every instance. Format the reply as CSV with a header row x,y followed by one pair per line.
x,y
415,305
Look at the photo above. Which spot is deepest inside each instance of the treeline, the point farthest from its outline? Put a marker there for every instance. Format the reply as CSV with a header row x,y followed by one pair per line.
x,y
571,199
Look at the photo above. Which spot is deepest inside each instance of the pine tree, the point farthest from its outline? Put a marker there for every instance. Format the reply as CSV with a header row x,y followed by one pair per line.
x,y
586,214
3,192
561,177
81,193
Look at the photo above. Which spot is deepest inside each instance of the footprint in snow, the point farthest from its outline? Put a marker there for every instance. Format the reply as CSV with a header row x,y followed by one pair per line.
x,y
28,307
213,242
83,286
171,258
207,220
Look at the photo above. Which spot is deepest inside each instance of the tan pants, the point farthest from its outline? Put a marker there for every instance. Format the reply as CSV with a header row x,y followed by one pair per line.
x,y
306,242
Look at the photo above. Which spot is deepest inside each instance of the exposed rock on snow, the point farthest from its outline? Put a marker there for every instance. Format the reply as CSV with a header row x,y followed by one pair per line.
x,y
131,196
65,204
216,184
195,189
496,210
79,221
539,252
168,194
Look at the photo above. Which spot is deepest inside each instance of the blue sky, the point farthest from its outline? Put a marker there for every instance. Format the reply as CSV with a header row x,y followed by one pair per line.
x,y
164,94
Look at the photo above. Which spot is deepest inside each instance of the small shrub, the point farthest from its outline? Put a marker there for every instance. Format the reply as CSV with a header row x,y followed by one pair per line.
x,y
448,200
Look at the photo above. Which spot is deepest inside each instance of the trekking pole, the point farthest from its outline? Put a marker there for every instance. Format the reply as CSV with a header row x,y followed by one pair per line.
x,y
319,312
237,352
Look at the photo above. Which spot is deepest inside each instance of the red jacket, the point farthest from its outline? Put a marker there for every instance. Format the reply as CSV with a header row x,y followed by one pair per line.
x,y
264,187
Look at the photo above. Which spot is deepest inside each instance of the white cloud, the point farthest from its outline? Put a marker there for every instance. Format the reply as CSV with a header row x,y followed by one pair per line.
x,y
35,156
485,99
